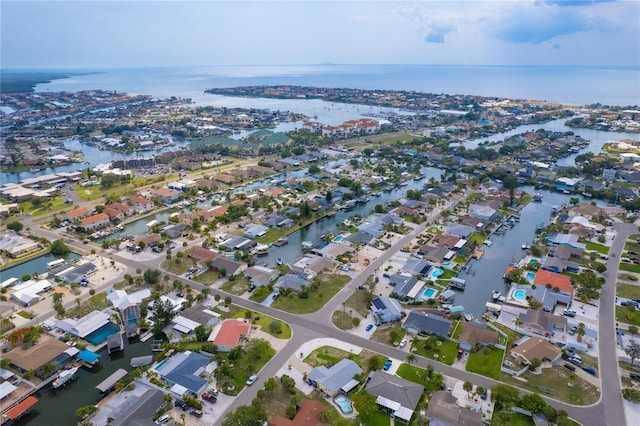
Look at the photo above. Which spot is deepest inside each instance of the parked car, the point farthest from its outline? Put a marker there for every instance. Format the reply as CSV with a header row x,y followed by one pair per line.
x,y
208,397
181,404
590,370
634,376
387,365
569,313
162,420
252,380
403,342
196,412
369,327
575,359
569,367
213,391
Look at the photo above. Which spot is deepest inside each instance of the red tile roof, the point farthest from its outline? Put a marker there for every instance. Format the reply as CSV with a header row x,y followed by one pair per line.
x,y
230,333
307,416
20,408
563,282
95,218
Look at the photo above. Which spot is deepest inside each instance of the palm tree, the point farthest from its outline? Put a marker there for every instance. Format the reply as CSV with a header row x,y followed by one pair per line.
x,y
580,331
411,358
518,322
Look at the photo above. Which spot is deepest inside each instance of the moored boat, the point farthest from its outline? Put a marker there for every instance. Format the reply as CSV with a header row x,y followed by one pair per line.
x,y
64,377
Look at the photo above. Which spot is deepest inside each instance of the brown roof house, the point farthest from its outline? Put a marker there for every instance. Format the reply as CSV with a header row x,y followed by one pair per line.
x,y
543,323
535,347
443,410
307,416
476,334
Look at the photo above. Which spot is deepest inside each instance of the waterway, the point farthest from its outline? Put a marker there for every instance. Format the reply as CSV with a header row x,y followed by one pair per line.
x,y
58,406
37,265
485,275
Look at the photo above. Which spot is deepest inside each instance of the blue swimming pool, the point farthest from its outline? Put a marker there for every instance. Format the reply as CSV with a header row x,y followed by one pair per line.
x,y
100,336
519,294
338,239
161,364
533,261
531,276
344,403
448,265
428,293
436,273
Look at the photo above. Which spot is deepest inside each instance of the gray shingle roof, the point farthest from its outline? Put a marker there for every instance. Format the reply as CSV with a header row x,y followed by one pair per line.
x,y
395,388
332,379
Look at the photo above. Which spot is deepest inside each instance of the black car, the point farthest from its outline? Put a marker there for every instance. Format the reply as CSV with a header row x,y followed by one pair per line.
x,y
196,412
181,404
634,376
569,367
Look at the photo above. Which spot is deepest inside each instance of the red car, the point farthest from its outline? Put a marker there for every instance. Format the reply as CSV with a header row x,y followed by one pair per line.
x,y
209,397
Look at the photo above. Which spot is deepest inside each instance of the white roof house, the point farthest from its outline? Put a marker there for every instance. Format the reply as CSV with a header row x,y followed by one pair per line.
x,y
28,292
85,325
120,299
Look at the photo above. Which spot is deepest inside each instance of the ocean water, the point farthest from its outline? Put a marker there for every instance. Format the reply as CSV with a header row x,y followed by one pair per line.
x,y
577,85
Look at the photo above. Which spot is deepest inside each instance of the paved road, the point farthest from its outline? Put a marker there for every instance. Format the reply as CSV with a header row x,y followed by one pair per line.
x,y
318,324
610,394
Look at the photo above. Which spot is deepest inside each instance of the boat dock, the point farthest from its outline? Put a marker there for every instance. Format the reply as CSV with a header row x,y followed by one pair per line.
x,y
115,343
457,283
110,382
280,242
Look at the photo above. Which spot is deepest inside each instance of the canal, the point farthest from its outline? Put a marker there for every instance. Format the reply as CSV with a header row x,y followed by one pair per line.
x,y
64,401
485,274
33,266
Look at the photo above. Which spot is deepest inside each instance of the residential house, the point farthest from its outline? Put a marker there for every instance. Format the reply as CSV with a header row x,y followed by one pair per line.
x,y
232,267
312,265
307,415
473,334
202,256
406,286
253,230
386,309
128,304
458,230
535,348
229,334
261,275
141,203
166,195
543,323
175,230
78,214
427,322
334,250
118,211
96,221
293,281
142,410
182,372
339,377
569,240
443,410
553,280
395,395
433,254
483,212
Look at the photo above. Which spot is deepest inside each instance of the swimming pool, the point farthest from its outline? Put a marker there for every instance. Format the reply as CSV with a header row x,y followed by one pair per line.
x,y
428,293
100,336
338,239
161,364
344,403
531,276
533,261
448,265
519,294
436,273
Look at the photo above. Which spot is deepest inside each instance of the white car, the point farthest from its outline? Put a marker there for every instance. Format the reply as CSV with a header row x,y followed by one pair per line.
x,y
403,342
252,380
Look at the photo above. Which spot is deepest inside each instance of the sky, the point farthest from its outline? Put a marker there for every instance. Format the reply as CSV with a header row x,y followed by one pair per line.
x,y
120,34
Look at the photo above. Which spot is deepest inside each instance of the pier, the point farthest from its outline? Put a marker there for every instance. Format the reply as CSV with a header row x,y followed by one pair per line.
x,y
115,343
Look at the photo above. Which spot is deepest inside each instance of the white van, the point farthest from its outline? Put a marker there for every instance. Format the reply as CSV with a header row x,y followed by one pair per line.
x,y
161,420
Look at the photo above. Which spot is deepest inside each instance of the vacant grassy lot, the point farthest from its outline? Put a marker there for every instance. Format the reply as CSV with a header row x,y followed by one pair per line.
x,y
627,316
264,321
95,302
329,355
600,248
486,361
511,419
628,291
208,277
237,287
566,386
630,267
176,265
389,334
359,301
330,284
342,320
445,350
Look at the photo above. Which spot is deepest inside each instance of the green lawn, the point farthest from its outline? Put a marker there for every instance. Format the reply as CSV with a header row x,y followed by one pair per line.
x,y
177,268
238,286
375,418
627,316
208,277
628,291
95,302
486,364
359,301
600,248
476,238
445,351
330,284
264,321
511,419
630,267
251,362
25,314
329,355
566,386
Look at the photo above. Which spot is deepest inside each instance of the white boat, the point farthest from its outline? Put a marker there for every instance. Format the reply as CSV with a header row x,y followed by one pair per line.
x,y
496,295
279,260
468,316
64,377
526,247
487,243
